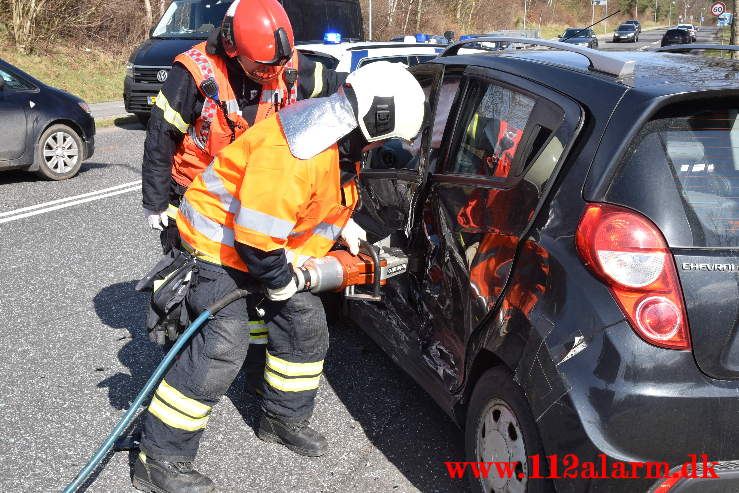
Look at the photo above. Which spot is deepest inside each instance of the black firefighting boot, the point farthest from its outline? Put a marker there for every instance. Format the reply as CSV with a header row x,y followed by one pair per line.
x,y
295,435
159,476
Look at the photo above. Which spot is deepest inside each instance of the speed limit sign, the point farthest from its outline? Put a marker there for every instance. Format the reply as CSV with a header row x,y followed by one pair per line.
x,y
718,8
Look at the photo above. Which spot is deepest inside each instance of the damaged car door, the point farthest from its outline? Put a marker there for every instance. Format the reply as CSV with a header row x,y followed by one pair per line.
x,y
509,137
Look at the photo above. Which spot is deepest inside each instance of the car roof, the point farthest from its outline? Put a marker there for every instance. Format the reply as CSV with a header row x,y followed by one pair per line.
x,y
657,73
349,54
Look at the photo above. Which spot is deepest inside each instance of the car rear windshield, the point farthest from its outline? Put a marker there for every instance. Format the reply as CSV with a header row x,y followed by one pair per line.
x,y
676,32
626,27
682,171
575,32
191,19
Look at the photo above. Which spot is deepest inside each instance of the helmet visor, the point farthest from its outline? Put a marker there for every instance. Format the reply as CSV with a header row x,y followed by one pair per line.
x,y
259,72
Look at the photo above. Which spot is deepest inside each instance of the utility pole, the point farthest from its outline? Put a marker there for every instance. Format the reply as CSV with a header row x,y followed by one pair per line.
x,y
524,15
370,21
655,11
732,38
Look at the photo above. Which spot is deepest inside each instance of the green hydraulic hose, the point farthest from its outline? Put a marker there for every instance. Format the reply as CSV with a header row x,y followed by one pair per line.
x,y
153,380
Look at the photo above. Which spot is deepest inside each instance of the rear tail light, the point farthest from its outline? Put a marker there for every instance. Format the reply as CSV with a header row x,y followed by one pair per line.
x,y
628,252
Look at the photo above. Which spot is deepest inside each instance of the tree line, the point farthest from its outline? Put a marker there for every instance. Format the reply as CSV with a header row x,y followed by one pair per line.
x,y
33,25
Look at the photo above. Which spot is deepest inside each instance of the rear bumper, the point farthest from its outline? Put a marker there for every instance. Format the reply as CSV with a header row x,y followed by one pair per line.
x,y
634,402
136,94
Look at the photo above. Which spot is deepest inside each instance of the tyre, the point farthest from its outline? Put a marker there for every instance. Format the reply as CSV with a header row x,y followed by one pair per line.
x,y
59,153
500,427
143,118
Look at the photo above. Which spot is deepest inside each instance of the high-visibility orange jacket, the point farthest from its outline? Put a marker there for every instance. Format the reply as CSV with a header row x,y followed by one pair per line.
x,y
211,131
257,193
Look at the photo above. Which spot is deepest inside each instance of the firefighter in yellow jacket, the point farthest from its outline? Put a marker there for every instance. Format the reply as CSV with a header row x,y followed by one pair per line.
x,y
246,71
282,193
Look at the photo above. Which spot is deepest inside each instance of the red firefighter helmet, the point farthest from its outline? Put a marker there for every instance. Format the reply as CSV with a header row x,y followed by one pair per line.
x,y
259,33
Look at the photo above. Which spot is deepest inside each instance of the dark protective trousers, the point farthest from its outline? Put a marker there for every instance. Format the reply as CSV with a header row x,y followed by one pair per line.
x,y
298,340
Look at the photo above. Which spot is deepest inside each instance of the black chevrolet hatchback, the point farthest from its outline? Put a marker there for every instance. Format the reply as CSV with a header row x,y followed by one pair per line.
x,y
571,222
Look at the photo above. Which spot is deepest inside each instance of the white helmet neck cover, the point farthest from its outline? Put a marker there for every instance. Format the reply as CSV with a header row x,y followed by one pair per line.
x,y
390,102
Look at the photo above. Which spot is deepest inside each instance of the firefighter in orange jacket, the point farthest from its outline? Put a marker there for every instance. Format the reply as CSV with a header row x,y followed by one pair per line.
x,y
246,71
282,193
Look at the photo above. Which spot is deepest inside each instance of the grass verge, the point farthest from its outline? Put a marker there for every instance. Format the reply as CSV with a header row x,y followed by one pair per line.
x,y
94,76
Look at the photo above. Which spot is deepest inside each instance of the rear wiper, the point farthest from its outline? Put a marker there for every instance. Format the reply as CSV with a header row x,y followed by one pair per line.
x,y
591,25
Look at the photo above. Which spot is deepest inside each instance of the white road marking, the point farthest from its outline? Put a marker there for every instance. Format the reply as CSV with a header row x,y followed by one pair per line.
x,y
54,205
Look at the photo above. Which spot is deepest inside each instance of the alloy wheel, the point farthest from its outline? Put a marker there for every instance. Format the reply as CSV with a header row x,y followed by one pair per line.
x,y
61,152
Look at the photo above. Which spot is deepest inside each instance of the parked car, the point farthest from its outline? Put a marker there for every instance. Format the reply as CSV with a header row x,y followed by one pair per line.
x,y
675,37
691,29
42,129
626,32
188,22
579,36
569,220
636,23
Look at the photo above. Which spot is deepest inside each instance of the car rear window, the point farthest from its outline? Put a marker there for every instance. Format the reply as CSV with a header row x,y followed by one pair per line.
x,y
626,27
682,171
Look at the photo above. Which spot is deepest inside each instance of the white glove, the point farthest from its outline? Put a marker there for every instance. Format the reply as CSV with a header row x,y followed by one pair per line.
x,y
351,234
283,293
157,220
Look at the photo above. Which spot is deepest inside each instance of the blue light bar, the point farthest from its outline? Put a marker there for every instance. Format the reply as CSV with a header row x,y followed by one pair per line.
x,y
332,38
466,36
421,38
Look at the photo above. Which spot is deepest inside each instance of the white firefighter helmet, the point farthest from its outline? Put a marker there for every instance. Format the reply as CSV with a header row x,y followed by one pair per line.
x,y
390,101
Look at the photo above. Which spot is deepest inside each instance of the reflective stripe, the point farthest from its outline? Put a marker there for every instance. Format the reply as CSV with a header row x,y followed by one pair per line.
x,y
317,80
232,106
214,185
172,211
327,230
170,115
172,418
181,402
206,226
293,369
264,223
268,96
258,333
291,384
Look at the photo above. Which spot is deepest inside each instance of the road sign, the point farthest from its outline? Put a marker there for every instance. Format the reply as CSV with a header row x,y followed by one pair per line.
x,y
600,2
718,8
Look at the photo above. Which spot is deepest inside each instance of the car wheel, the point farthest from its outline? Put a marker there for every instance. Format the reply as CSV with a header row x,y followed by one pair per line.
x,y
59,153
501,427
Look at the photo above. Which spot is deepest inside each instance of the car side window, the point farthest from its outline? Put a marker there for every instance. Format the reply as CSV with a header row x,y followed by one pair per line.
x,y
391,59
493,131
14,82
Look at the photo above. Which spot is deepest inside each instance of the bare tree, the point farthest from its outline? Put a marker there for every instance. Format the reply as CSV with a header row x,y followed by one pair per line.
x,y
148,13
23,22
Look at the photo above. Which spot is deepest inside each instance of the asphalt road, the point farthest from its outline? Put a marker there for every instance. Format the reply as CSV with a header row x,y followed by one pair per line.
x,y
650,39
74,353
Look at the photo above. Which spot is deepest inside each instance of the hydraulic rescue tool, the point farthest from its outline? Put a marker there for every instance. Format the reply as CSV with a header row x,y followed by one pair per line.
x,y
336,271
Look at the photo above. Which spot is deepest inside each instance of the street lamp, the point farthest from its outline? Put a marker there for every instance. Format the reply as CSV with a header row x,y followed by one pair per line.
x,y
669,16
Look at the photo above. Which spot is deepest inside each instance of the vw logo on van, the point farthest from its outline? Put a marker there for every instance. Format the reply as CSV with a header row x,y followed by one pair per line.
x,y
162,75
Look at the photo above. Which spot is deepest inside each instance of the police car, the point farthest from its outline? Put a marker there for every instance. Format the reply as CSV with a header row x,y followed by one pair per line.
x,y
348,56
